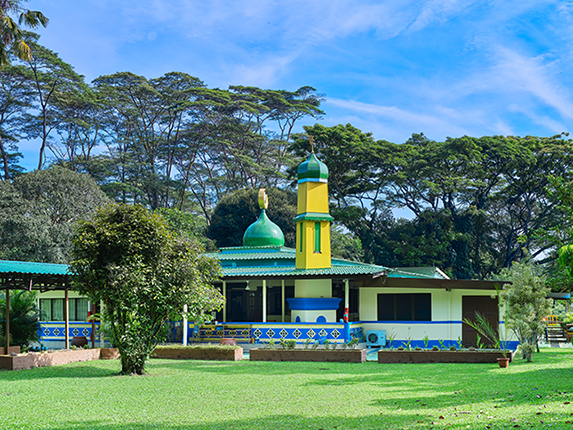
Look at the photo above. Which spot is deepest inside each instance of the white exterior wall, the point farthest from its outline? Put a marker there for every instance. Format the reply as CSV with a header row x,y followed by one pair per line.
x,y
313,288
446,324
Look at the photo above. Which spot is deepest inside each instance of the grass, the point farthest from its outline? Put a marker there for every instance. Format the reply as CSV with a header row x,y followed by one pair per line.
x,y
178,394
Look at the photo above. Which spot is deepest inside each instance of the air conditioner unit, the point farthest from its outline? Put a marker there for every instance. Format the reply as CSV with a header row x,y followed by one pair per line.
x,y
376,338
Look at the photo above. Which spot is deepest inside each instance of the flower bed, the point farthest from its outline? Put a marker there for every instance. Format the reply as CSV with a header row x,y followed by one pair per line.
x,y
199,352
441,356
330,355
46,359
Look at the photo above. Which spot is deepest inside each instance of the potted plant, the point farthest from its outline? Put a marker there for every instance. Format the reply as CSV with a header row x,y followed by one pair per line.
x,y
483,327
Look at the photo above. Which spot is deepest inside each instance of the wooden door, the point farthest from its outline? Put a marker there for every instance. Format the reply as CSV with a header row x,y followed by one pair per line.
x,y
485,305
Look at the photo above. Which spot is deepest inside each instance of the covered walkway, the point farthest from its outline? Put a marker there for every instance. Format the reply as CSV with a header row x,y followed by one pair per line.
x,y
22,275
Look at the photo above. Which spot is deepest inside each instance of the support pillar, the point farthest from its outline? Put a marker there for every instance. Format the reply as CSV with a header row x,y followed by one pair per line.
x,y
283,300
101,339
66,320
346,295
264,300
225,302
185,325
93,336
7,320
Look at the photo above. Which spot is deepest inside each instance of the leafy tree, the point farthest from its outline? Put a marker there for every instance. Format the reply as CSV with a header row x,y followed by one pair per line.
x,y
525,304
144,275
38,212
477,202
345,245
24,318
187,225
239,210
11,36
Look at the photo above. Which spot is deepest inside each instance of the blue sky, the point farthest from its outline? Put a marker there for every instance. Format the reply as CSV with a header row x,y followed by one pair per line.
x,y
393,68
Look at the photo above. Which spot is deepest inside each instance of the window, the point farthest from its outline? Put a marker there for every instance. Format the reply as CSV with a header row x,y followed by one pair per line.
x,y
53,309
404,307
301,236
317,237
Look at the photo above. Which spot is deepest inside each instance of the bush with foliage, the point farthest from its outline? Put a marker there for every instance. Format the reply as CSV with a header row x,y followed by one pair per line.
x,y
525,304
24,318
145,275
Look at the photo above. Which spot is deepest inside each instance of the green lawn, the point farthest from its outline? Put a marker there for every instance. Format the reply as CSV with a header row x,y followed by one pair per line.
x,y
258,395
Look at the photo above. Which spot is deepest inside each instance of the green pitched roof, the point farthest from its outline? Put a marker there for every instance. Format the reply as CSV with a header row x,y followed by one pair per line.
x,y
279,261
289,272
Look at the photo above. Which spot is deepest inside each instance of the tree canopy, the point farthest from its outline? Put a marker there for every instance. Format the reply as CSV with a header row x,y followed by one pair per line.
x,y
38,212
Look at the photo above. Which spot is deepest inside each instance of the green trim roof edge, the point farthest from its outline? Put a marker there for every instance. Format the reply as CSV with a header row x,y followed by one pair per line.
x,y
313,216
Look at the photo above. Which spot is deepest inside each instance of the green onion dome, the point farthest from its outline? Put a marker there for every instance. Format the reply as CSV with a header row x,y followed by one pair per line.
x,y
313,169
263,232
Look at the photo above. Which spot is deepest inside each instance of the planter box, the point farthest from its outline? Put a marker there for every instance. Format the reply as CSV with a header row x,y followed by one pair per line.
x,y
199,354
442,356
109,353
32,360
338,355
11,349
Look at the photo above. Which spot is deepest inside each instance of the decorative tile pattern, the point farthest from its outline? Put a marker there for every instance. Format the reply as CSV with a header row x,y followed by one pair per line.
x,y
270,333
86,331
283,333
310,334
322,333
246,333
75,332
257,333
46,331
335,334
56,332
297,333
232,333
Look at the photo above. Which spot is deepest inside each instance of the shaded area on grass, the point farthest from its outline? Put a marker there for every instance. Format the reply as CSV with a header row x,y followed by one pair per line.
x,y
296,422
184,394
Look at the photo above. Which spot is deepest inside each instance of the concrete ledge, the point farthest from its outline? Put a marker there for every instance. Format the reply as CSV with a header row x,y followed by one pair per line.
x,y
336,355
214,353
442,356
47,359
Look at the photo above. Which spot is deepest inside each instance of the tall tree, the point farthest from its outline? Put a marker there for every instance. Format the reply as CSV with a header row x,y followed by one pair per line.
x,y
38,212
56,84
16,99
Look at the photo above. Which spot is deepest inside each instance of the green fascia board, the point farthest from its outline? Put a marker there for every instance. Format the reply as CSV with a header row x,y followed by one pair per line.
x,y
27,267
254,256
291,271
258,249
313,216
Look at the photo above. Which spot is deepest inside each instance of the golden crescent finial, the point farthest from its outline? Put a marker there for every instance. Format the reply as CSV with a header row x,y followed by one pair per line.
x,y
263,199
311,140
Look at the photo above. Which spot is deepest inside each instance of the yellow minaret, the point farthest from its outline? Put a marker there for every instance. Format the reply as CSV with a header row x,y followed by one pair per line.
x,y
313,218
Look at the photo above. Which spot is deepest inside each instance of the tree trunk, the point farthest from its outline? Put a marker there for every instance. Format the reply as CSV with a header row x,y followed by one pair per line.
x,y
133,364
4,161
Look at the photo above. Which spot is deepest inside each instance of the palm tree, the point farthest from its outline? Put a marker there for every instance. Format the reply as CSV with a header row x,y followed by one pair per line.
x,y
10,32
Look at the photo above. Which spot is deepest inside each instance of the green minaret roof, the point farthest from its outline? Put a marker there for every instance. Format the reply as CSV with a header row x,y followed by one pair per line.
x,y
263,232
313,170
